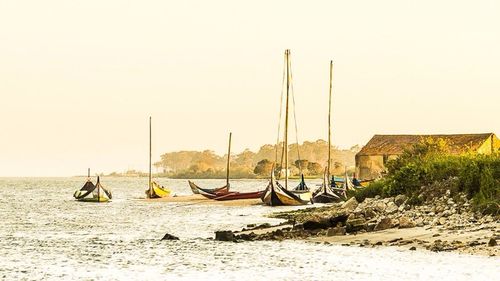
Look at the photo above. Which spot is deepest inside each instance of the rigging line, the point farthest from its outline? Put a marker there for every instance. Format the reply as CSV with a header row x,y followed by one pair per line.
x,y
279,117
295,118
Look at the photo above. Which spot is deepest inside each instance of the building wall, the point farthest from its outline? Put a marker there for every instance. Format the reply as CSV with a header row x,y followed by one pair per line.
x,y
491,145
371,166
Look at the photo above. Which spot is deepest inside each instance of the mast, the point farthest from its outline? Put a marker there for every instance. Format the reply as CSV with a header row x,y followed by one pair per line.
x,y
228,158
88,173
149,183
98,190
287,55
329,123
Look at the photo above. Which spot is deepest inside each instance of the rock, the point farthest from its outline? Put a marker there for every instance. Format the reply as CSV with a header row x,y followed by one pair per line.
x,y
370,226
169,237
350,204
405,222
419,222
413,248
356,225
400,199
369,213
224,235
492,242
391,208
322,223
336,231
338,219
384,223
380,207
442,220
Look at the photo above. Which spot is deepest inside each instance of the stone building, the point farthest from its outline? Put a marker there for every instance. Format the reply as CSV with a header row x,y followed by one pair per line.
x,y
371,159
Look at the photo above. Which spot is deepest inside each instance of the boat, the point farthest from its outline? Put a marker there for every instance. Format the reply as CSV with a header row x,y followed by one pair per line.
x,y
326,194
239,195
198,190
225,189
275,194
93,193
328,191
154,190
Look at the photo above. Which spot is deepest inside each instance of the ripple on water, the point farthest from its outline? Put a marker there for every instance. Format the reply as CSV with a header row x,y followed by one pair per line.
x,y
50,236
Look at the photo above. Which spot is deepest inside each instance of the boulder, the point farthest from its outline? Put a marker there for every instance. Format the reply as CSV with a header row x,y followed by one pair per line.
x,y
350,204
338,219
369,213
405,222
169,237
492,242
391,208
321,223
384,223
356,225
224,235
380,207
400,199
336,231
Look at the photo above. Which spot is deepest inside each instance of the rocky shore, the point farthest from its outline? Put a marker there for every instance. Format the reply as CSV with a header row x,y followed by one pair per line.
x,y
441,223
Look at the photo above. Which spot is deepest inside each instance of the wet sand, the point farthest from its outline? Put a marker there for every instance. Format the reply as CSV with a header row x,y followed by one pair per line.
x,y
420,237
199,199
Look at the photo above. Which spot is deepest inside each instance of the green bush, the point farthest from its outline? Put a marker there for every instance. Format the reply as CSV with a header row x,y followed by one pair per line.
x,y
430,162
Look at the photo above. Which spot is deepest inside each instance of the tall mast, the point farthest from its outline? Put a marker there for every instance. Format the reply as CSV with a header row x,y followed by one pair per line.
x,y
228,158
149,183
287,55
88,173
329,123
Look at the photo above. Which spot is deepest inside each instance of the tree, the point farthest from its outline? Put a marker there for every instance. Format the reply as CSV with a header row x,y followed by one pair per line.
x,y
314,168
263,168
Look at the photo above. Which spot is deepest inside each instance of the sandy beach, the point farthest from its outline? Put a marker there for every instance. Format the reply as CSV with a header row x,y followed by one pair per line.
x,y
199,199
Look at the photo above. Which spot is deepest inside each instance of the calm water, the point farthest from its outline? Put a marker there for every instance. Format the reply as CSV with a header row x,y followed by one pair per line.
x,y
45,234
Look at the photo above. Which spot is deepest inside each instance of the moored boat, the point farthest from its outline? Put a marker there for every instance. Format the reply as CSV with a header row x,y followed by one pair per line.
x,y
225,189
154,190
328,192
93,193
275,194
239,195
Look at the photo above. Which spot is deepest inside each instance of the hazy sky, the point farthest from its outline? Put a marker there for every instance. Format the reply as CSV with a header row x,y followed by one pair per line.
x,y
78,79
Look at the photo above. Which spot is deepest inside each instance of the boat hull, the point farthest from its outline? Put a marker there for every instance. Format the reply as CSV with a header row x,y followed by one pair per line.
x,y
198,190
239,195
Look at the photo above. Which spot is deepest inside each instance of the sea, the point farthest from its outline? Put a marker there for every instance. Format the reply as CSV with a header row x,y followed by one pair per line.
x,y
46,235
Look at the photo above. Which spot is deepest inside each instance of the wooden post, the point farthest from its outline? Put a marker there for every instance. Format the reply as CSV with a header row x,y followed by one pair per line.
x,y
228,159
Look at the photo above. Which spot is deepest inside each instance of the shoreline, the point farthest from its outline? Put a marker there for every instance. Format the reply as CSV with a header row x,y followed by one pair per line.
x,y
441,225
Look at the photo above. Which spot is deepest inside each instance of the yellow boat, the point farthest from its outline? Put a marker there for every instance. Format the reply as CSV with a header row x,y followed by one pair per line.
x,y
157,191
93,193
154,190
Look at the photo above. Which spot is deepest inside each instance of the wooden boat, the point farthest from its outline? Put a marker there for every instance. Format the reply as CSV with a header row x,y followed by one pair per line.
x,y
328,192
275,194
239,195
198,190
225,189
93,193
154,190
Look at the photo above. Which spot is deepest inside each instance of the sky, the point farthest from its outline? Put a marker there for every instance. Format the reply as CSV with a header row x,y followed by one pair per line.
x,y
79,79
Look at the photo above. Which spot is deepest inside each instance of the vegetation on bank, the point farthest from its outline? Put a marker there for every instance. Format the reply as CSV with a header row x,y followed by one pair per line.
x,y
430,162
248,164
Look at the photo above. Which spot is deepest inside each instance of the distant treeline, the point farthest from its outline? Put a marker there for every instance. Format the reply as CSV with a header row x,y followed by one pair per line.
x,y
249,164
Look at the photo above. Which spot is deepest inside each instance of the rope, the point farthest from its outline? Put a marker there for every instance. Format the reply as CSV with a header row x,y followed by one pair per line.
x,y
279,122
295,117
